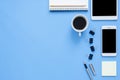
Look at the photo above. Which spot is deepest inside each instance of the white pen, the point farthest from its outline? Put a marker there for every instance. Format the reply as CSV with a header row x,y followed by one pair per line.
x,y
93,70
88,72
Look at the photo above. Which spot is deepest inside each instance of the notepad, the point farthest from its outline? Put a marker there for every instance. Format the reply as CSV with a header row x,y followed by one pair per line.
x,y
109,68
68,4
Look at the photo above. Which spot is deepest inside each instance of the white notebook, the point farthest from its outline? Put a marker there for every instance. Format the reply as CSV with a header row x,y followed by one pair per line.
x,y
68,4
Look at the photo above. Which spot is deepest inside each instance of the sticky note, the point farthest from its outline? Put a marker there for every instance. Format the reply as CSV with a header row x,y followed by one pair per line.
x,y
109,68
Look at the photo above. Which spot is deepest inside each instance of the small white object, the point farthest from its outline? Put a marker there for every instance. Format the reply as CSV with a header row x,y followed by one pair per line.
x,y
79,34
68,4
109,68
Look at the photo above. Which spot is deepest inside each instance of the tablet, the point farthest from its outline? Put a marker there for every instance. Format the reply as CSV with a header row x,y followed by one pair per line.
x,y
104,9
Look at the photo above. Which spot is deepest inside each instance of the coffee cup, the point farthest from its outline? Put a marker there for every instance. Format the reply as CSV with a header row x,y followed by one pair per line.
x,y
79,24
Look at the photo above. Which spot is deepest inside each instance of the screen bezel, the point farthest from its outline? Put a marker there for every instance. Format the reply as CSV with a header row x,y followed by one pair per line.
x,y
108,28
104,17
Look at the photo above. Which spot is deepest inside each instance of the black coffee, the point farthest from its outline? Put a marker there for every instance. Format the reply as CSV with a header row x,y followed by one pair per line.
x,y
79,23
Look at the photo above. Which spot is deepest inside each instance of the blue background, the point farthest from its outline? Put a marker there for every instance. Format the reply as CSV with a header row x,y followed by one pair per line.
x,y
36,44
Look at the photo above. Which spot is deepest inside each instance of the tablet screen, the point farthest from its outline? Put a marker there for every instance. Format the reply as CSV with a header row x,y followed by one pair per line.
x,y
104,7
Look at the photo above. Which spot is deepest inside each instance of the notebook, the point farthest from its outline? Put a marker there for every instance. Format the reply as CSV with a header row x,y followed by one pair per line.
x,y
68,4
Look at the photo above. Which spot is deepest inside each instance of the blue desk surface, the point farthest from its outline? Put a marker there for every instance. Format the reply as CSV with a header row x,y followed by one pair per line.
x,y
36,44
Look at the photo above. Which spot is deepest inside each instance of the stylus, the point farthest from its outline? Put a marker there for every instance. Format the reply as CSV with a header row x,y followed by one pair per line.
x,y
88,72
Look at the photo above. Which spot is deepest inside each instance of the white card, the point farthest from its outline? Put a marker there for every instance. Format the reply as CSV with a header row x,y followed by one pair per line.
x,y
109,68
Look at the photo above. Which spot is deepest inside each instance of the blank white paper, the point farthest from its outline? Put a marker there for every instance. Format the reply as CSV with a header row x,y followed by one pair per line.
x,y
109,68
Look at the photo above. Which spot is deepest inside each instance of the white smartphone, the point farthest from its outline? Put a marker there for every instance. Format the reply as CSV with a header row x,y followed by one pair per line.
x,y
109,41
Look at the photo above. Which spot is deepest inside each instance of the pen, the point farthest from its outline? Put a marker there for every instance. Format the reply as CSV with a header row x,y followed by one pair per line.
x,y
88,72
92,68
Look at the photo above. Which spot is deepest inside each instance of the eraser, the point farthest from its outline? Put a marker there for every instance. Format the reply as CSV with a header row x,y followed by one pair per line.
x,y
92,48
92,32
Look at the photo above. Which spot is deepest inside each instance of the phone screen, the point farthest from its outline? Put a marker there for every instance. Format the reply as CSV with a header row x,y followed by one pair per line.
x,y
109,40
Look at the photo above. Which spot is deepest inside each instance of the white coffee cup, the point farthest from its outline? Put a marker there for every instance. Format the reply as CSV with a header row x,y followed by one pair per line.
x,y
79,23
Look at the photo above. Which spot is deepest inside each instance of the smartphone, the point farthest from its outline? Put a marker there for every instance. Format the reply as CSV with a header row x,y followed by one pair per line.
x,y
109,41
